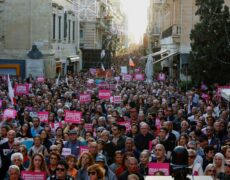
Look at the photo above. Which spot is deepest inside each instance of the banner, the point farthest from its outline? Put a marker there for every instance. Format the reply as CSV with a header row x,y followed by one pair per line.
x,y
88,127
21,89
73,116
139,77
43,116
117,78
66,151
9,113
127,77
124,70
30,175
54,126
157,169
85,98
161,77
103,85
84,149
116,99
104,94
40,79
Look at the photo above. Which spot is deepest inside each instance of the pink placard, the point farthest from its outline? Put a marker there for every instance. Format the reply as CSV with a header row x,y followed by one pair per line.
x,y
73,116
126,124
103,85
117,78
116,99
54,126
9,113
29,175
89,127
92,71
137,70
85,98
84,149
21,89
161,77
43,116
127,77
41,79
139,77
104,94
156,169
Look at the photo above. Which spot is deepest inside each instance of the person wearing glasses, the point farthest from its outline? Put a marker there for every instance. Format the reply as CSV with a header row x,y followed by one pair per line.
x,y
210,170
61,172
195,167
226,174
96,172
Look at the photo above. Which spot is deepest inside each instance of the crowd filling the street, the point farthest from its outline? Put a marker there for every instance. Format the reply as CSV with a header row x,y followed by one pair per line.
x,y
111,126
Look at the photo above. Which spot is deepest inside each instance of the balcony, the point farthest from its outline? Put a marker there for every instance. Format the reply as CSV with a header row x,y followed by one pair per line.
x,y
173,31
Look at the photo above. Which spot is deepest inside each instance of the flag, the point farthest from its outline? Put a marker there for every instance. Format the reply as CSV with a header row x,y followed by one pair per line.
x,y
66,80
131,63
57,80
102,67
10,91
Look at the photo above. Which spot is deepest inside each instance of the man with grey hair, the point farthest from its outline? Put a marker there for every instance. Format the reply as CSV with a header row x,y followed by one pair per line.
x,y
14,173
131,169
142,139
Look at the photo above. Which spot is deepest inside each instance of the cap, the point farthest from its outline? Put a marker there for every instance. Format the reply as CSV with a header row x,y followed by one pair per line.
x,y
100,158
72,131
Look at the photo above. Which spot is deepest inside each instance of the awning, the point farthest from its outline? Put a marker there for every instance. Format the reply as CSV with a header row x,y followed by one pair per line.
x,y
165,57
74,58
155,54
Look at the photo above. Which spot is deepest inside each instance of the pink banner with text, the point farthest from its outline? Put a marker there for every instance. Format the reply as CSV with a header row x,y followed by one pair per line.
x,y
104,94
85,98
21,89
43,116
73,117
157,169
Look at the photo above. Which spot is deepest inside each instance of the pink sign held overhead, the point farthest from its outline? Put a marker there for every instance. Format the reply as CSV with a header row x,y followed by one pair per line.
x,y
116,99
30,175
54,126
104,94
84,149
156,169
40,79
9,113
43,116
139,77
126,124
85,98
161,77
103,85
127,77
89,127
73,117
21,89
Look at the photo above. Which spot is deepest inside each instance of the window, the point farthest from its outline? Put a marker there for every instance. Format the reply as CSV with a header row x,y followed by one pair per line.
x,y
73,30
81,34
69,29
54,24
59,27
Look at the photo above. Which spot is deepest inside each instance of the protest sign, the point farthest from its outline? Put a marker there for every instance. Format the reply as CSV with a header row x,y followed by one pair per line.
x,y
21,89
84,149
126,124
9,113
158,169
40,79
139,77
124,70
85,98
161,77
30,175
43,116
89,127
73,116
116,99
127,77
104,94
92,71
66,151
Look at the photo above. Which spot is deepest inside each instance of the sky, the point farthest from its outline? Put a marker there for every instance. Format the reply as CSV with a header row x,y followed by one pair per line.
x,y
136,11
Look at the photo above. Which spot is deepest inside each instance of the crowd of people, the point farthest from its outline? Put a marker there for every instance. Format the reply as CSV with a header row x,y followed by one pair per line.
x,y
144,127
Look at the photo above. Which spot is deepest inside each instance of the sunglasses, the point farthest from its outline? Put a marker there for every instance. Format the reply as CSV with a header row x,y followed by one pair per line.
x,y
192,157
60,169
210,170
92,173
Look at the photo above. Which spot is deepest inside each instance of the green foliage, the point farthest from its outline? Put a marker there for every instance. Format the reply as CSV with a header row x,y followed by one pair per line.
x,y
210,43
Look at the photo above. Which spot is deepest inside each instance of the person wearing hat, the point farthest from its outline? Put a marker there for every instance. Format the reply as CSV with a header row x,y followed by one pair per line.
x,y
73,143
109,174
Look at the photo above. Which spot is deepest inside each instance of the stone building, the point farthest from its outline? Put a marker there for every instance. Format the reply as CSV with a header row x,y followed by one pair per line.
x,y
50,26
169,26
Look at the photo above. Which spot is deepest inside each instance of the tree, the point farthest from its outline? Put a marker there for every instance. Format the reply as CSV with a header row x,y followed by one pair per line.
x,y
210,43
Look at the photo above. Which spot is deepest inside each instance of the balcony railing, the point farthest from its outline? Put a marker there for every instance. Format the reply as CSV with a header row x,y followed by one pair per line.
x,y
173,30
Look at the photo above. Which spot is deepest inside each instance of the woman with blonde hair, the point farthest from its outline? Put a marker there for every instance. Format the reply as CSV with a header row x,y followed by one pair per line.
x,y
86,160
38,164
210,170
96,172
218,162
